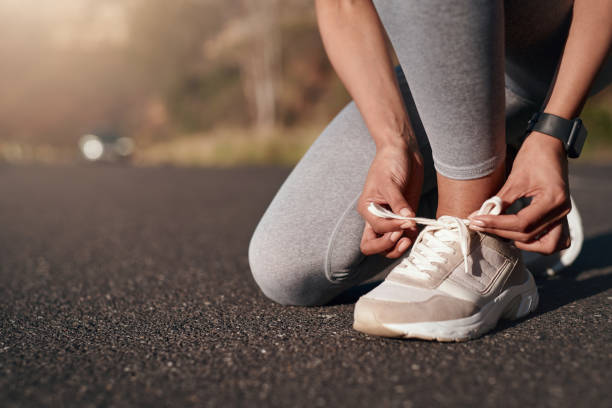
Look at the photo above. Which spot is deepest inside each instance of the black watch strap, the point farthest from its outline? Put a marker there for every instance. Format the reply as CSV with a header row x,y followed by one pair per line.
x,y
571,132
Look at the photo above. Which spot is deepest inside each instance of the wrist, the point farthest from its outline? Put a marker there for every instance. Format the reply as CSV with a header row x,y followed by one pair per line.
x,y
403,140
547,142
562,111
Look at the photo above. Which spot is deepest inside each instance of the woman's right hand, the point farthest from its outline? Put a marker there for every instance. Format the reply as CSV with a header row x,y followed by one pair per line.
x,y
395,179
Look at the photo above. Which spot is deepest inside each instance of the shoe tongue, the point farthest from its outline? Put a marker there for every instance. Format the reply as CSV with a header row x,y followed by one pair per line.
x,y
432,239
446,235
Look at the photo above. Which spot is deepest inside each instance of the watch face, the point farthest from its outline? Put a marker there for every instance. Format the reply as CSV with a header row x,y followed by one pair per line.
x,y
576,139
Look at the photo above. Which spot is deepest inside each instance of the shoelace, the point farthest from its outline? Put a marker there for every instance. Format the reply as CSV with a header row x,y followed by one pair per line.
x,y
431,244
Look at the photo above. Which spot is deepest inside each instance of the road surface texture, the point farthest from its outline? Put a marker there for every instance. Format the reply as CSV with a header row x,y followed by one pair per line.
x,y
130,287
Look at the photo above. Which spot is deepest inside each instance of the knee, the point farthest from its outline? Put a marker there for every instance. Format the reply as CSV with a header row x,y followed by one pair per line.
x,y
285,276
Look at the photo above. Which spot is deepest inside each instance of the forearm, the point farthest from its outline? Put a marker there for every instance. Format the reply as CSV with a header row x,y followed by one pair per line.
x,y
587,46
354,39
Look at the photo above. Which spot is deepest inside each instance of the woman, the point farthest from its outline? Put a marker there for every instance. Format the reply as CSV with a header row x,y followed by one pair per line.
x,y
434,142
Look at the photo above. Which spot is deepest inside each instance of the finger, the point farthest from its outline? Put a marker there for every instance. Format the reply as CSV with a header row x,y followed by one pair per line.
x,y
531,218
411,233
372,244
378,224
524,237
400,205
377,245
398,202
509,193
384,225
548,243
399,249
368,233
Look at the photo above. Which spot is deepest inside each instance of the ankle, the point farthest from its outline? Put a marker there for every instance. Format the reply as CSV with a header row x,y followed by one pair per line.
x,y
460,198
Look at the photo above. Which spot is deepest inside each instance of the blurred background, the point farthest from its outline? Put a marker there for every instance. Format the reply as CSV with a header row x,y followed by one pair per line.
x,y
182,82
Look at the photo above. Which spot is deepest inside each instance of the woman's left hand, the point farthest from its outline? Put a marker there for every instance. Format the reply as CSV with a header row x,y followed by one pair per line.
x,y
540,172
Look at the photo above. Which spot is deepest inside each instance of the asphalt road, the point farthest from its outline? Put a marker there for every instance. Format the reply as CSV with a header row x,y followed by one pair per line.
x,y
130,287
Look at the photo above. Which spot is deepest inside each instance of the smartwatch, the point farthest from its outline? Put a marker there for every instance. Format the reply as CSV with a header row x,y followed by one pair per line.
x,y
571,132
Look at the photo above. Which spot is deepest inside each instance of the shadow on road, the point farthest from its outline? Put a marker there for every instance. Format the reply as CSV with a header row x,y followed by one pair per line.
x,y
596,253
353,294
589,275
583,279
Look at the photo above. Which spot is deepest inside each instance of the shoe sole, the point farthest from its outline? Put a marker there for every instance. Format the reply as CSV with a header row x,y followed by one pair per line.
x,y
513,303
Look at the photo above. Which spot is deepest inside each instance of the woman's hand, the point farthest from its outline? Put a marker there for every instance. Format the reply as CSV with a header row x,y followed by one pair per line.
x,y
395,179
540,172
354,36
540,168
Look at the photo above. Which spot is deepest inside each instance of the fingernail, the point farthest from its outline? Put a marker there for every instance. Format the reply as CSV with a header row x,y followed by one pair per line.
x,y
403,245
407,225
477,223
476,228
405,212
395,236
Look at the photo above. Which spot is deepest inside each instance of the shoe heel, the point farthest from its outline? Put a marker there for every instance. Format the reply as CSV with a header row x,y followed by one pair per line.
x,y
525,302
521,306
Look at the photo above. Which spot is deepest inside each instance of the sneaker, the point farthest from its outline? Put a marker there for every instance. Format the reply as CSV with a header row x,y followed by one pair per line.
x,y
454,285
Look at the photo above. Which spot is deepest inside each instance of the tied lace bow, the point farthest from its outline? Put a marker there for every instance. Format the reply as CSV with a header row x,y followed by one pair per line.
x,y
432,241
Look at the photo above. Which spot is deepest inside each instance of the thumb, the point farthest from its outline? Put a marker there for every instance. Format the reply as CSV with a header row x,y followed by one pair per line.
x,y
509,193
398,203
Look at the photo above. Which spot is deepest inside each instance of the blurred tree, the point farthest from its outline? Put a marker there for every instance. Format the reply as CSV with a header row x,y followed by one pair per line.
x,y
252,40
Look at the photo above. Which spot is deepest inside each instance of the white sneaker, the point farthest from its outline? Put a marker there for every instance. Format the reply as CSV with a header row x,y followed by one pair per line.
x,y
454,285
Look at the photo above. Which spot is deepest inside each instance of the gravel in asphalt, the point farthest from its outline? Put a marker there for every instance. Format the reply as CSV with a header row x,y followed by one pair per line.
x,y
129,286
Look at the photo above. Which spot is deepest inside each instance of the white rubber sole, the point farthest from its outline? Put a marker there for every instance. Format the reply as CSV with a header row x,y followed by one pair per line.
x,y
513,303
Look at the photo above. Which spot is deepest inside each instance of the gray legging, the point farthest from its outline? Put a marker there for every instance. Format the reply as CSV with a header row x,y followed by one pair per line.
x,y
305,249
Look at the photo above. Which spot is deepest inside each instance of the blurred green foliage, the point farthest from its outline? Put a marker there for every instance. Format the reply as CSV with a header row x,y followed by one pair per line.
x,y
598,120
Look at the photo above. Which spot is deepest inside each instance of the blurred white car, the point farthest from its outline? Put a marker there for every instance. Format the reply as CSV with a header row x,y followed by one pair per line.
x,y
106,147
